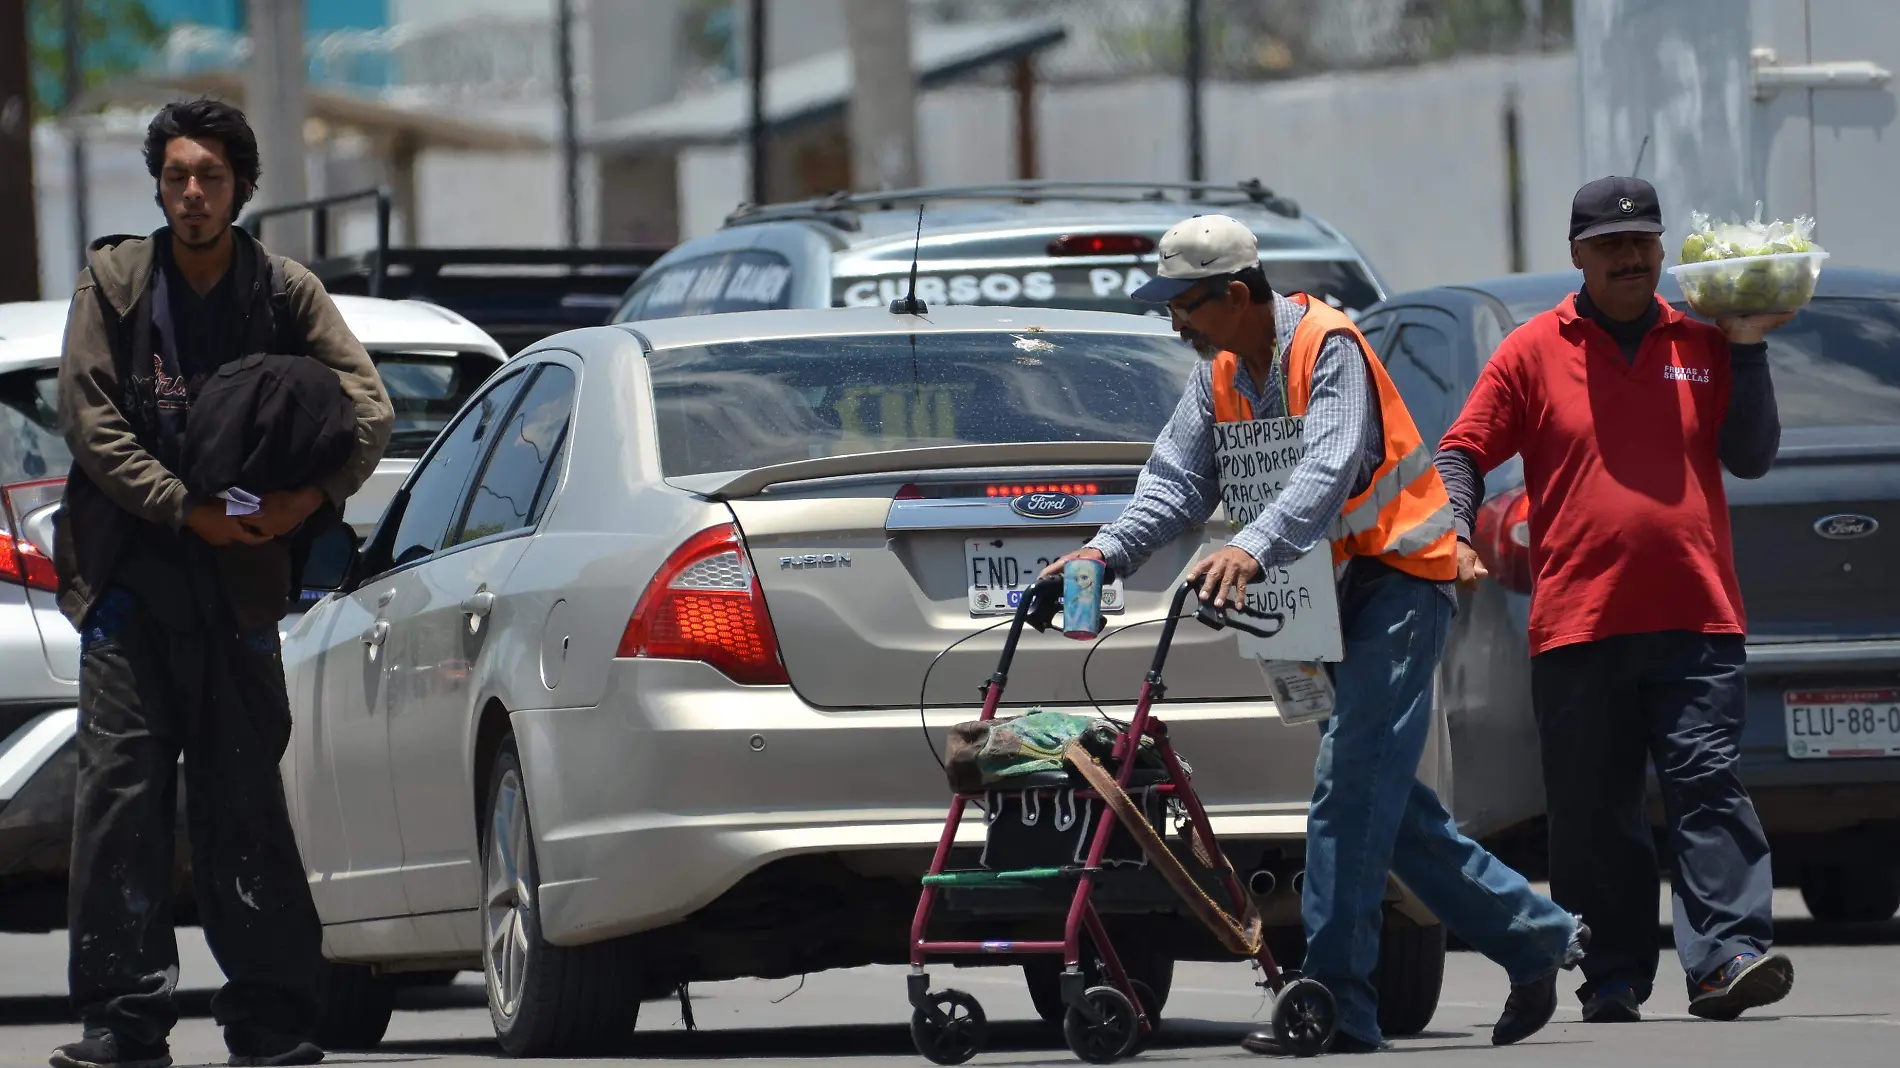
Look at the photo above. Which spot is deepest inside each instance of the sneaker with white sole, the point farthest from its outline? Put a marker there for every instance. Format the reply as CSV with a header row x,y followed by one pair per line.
x,y
1746,982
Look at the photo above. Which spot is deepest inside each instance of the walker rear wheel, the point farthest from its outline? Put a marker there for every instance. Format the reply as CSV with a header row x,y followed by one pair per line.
x,y
1305,1017
950,1028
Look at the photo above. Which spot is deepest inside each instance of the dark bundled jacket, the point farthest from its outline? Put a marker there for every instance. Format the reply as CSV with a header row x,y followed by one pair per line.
x,y
118,487
267,423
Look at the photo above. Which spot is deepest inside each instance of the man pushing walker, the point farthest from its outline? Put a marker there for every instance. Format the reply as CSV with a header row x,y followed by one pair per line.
x,y
1366,483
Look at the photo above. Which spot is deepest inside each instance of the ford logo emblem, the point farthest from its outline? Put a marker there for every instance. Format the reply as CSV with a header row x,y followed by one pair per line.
x,y
1046,505
1845,526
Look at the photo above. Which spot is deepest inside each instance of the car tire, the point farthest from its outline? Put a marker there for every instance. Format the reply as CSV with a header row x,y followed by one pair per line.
x,y
1410,974
353,1007
1043,976
1851,893
544,1000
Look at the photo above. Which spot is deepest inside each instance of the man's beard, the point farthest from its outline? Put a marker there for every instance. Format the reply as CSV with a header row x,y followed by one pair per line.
x,y
201,246
1200,344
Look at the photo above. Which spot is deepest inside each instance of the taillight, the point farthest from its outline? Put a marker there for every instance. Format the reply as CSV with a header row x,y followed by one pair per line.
x,y
1101,245
1503,538
913,491
705,604
21,562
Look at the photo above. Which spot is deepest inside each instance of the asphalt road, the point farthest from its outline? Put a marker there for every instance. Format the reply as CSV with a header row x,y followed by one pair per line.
x,y
1845,1010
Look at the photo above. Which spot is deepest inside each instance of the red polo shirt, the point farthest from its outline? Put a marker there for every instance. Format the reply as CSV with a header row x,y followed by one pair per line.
x,y
1628,519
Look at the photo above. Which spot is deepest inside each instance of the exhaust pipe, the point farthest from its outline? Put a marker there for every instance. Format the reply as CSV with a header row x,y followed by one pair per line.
x,y
1262,883
1299,881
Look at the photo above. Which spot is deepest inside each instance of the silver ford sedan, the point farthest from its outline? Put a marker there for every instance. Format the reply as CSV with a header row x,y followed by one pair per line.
x,y
628,688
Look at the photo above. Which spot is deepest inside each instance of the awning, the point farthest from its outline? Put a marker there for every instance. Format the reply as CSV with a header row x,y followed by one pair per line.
x,y
819,88
343,112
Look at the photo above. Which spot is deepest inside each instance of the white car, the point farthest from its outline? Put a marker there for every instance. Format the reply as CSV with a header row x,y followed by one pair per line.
x,y
624,692
431,360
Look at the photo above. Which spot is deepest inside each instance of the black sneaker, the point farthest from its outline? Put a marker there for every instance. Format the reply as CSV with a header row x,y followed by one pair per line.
x,y
1747,982
100,1048
1613,1003
1531,1005
252,1049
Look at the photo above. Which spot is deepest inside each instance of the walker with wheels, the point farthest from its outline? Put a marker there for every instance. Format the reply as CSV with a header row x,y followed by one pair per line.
x,y
1102,1023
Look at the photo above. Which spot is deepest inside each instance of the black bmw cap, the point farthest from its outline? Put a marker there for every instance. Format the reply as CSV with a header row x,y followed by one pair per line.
x,y
1615,206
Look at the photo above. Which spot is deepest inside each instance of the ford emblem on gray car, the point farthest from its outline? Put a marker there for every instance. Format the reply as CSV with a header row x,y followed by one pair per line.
x,y
1046,505
1845,526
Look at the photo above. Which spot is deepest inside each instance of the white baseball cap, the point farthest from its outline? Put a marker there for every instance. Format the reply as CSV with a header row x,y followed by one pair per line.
x,y
1199,248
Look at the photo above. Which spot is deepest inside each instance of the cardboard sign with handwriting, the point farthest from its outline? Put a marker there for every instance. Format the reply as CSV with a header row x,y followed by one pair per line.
x,y
1256,459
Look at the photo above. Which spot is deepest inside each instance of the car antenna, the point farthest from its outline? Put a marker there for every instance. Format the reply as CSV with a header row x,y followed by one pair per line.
x,y
908,304
1644,147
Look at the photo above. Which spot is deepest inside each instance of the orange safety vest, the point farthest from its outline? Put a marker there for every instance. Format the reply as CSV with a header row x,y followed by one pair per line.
x,y
1404,516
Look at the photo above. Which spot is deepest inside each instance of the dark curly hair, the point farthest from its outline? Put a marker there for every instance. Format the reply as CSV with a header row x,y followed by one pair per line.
x,y
207,119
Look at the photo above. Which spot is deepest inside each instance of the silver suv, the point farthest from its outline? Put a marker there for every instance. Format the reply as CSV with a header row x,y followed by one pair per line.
x,y
1080,245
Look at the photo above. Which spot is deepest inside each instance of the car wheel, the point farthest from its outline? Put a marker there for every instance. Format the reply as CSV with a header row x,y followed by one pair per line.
x,y
1851,893
545,1000
1043,976
1410,974
353,1007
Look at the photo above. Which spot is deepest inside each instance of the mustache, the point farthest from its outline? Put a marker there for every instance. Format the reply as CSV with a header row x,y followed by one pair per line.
x,y
1631,272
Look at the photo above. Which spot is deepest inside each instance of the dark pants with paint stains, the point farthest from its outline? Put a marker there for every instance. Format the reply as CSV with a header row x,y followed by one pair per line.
x,y
154,685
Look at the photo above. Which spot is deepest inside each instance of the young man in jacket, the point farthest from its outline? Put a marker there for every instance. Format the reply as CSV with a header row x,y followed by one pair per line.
x,y
177,604
1365,485
1625,412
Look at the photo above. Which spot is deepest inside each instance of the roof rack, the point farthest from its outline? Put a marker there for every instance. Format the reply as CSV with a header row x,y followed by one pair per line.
x,y
842,208
518,295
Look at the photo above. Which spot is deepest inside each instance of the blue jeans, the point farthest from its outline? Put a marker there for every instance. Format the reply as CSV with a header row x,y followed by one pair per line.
x,y
1371,815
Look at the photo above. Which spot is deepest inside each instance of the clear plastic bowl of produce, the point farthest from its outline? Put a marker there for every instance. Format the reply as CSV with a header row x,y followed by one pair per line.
x,y
1750,285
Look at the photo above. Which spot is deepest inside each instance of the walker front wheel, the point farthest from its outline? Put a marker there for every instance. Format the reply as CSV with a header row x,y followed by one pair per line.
x,y
950,1028
1305,1017
1112,1032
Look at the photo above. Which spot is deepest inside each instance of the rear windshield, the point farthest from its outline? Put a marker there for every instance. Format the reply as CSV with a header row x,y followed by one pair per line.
x,y
30,443
743,405
427,389
1837,364
1341,283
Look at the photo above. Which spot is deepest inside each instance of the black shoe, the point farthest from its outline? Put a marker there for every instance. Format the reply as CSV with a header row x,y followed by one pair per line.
x,y
100,1048
1528,1008
1531,1005
1613,1003
268,1049
1747,982
1267,1045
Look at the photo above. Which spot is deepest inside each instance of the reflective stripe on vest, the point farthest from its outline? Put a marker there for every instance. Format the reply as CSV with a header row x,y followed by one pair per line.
x,y
1403,516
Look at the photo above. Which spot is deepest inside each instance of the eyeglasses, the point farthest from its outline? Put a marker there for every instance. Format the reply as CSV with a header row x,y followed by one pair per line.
x,y
1208,290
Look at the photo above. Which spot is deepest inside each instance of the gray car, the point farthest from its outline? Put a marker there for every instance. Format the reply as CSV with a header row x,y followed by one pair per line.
x,y
1814,549
1082,245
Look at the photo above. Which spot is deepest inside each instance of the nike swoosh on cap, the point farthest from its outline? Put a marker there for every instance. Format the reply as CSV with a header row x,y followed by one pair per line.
x,y
1208,261
1169,255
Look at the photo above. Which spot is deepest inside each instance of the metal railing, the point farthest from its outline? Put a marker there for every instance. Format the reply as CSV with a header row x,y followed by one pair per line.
x,y
319,211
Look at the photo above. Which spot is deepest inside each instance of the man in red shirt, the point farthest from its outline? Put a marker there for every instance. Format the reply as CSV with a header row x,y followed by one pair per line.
x,y
1625,413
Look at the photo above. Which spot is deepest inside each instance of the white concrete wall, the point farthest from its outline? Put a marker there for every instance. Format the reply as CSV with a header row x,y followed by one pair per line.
x,y
1410,164
1681,71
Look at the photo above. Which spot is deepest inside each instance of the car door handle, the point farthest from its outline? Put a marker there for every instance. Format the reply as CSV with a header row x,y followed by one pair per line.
x,y
479,603
376,634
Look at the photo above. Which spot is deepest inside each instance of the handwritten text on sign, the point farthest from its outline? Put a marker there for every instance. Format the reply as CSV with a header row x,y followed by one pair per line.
x,y
1256,460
